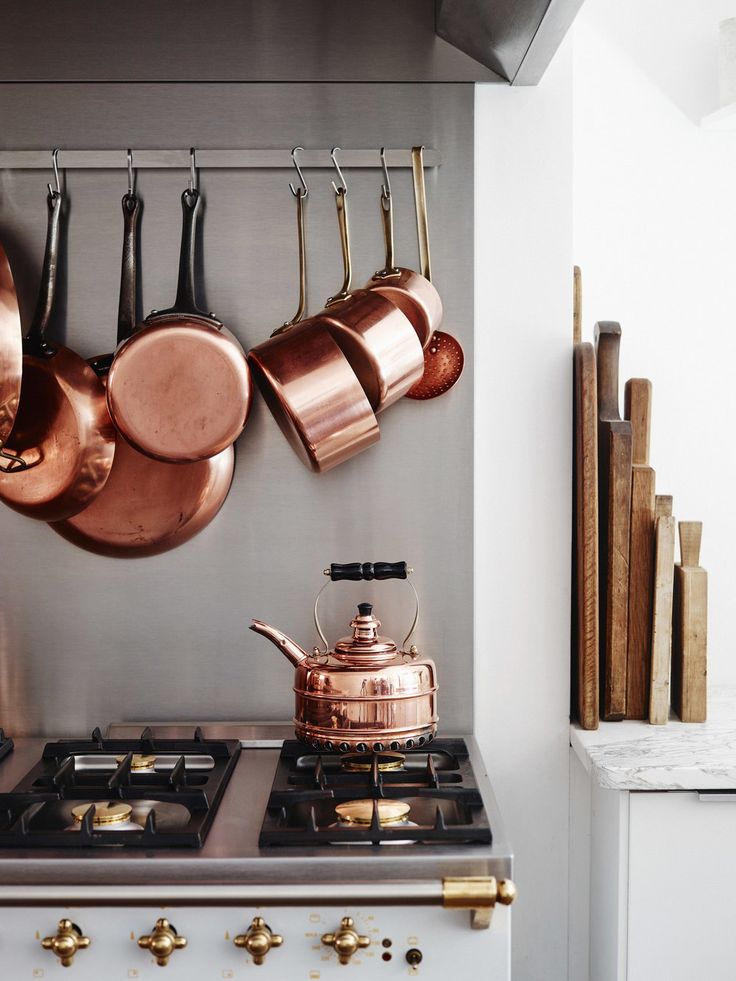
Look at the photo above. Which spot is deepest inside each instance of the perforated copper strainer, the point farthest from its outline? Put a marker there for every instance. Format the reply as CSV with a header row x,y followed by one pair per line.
x,y
443,356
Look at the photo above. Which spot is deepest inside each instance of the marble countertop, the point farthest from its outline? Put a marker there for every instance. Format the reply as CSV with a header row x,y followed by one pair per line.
x,y
677,756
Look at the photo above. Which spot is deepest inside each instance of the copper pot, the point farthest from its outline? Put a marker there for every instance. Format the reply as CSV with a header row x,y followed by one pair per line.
x,y
408,290
366,694
308,384
375,334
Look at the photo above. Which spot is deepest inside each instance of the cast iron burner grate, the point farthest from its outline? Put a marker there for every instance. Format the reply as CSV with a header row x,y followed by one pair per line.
x,y
6,744
175,804
437,781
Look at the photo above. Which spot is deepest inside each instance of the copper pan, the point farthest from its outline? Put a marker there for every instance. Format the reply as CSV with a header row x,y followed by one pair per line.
x,y
179,389
375,336
11,360
410,291
62,429
146,506
308,384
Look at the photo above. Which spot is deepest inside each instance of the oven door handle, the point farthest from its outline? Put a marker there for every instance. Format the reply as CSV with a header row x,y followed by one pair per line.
x,y
479,894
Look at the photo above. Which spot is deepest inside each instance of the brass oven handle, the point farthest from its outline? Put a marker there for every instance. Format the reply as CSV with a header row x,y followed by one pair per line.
x,y
258,940
367,572
162,941
345,941
67,941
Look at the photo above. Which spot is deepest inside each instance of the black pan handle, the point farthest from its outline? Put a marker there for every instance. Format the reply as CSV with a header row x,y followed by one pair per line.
x,y
36,342
185,301
367,571
127,306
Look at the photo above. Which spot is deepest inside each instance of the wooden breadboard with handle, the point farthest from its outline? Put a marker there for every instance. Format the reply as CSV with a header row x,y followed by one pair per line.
x,y
690,628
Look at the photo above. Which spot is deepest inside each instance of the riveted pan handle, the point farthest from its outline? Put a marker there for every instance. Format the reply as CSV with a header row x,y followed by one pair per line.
x,y
367,572
127,318
185,302
36,342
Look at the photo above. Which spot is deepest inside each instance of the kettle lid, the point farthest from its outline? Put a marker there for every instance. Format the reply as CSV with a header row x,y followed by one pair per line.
x,y
365,640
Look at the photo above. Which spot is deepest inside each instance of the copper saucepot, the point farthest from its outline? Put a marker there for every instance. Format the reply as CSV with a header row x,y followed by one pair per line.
x,y
366,694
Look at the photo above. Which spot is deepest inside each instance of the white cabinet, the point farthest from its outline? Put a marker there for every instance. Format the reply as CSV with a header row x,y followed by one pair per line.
x,y
652,883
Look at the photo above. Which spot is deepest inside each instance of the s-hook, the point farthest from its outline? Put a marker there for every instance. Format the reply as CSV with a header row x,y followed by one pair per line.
x,y
303,190
55,164
193,182
131,175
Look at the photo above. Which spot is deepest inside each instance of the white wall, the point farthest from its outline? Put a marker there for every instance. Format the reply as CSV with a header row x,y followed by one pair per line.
x,y
522,490
655,234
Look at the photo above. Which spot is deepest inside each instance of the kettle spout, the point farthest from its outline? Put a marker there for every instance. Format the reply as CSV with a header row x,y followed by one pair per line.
x,y
285,644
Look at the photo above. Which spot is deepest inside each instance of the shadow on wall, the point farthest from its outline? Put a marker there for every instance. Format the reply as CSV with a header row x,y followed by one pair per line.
x,y
675,45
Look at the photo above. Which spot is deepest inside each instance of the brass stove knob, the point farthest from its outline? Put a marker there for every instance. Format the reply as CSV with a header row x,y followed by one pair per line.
x,y
162,941
67,942
346,941
258,940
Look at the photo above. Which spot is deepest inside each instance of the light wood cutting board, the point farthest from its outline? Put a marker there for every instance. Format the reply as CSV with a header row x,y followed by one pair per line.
x,y
585,625
690,628
614,504
638,410
664,575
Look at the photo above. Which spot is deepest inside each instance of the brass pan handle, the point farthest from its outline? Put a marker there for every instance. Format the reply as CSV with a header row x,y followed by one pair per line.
x,y
367,572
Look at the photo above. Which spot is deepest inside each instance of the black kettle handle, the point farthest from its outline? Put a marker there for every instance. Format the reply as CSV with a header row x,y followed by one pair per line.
x,y
367,571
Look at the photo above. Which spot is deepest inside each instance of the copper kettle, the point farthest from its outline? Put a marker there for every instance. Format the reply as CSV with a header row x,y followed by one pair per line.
x,y
366,694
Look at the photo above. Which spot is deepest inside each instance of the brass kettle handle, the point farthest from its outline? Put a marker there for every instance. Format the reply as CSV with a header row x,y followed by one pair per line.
x,y
345,941
258,940
67,941
162,941
367,572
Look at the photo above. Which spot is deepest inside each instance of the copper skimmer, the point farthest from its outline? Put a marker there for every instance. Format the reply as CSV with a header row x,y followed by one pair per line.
x,y
147,506
443,356
62,429
11,362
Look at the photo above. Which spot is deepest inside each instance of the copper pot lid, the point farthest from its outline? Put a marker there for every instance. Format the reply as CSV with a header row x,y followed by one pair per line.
x,y
365,639
361,811
140,761
106,812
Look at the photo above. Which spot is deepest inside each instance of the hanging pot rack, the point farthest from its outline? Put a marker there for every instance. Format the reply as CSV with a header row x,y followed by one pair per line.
x,y
229,159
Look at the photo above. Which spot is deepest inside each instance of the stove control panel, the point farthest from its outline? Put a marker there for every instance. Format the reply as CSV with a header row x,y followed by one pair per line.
x,y
226,943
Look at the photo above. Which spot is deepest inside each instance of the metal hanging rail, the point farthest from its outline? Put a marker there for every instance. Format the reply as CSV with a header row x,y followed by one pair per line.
x,y
206,159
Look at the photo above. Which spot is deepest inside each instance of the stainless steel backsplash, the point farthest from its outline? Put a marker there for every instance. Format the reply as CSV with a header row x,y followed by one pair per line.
x,y
85,639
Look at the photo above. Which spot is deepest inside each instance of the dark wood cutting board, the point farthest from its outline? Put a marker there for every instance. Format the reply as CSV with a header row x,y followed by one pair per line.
x,y
585,625
614,505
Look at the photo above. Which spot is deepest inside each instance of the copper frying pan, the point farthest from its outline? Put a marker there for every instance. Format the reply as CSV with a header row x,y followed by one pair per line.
x,y
146,506
179,389
11,361
62,429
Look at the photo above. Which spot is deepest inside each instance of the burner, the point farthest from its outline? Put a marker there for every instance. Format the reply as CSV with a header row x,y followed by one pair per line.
x,y
140,761
106,813
361,812
363,762
147,793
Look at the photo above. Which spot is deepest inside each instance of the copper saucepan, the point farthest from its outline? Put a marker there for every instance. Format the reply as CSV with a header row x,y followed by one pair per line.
x,y
11,361
308,384
366,694
147,506
376,337
62,429
179,389
410,291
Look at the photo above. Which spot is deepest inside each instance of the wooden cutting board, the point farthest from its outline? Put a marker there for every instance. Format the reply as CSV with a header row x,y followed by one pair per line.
x,y
585,626
664,575
614,505
690,628
638,410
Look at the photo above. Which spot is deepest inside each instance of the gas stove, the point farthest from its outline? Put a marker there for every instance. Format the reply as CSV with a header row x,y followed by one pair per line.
x,y
299,861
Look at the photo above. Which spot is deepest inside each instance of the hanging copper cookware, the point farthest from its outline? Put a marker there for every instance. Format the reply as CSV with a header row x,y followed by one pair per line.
x,y
11,361
376,337
308,384
62,429
146,506
410,291
179,389
366,694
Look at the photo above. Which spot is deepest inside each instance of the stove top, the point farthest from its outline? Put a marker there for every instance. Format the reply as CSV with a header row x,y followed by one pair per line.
x,y
140,792
429,796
